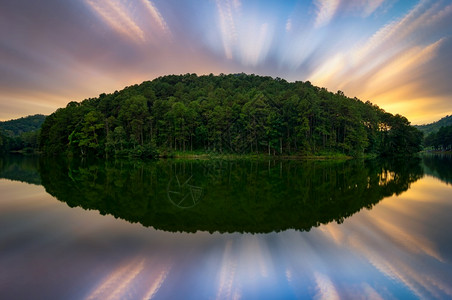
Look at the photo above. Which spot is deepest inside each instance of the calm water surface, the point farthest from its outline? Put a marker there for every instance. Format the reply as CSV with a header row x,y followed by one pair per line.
x,y
226,229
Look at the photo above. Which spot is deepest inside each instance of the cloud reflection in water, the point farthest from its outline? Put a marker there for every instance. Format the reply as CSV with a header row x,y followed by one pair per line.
x,y
401,248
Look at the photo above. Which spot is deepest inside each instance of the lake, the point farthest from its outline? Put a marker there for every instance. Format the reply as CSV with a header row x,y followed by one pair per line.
x,y
226,229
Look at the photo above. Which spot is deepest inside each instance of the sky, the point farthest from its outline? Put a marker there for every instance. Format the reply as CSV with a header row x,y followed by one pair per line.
x,y
395,53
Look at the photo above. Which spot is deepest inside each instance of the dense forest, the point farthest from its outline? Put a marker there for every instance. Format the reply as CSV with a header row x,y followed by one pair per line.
x,y
235,113
21,134
438,135
440,140
4,143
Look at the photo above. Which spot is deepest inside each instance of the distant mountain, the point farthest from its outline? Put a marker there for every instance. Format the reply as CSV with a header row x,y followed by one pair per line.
x,y
435,126
16,127
21,134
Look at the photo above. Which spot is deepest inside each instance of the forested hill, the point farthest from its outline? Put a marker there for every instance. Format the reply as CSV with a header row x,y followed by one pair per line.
x,y
435,126
20,134
235,113
16,127
438,135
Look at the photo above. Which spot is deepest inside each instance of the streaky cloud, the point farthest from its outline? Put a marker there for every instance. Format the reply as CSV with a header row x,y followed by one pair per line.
x,y
371,6
326,9
227,26
114,14
245,37
153,11
325,288
131,19
389,59
392,53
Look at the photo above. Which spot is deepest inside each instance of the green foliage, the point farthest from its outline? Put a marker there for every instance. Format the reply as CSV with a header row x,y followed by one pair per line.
x,y
440,140
16,127
400,137
236,114
438,135
88,136
4,143
435,126
21,134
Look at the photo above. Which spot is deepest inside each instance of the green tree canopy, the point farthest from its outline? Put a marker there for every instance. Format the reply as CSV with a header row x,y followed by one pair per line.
x,y
234,113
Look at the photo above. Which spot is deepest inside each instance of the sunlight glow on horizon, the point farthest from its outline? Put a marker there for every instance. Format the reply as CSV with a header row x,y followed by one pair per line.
x,y
394,54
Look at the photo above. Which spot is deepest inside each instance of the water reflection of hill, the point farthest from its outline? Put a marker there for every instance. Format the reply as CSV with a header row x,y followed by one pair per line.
x,y
20,168
228,196
439,166
224,196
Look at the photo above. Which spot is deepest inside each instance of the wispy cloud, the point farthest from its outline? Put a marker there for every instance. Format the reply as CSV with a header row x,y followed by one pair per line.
x,y
393,73
227,273
255,44
389,59
131,19
114,14
364,7
326,9
371,293
392,36
115,284
245,37
124,282
153,11
325,288
289,25
156,284
227,25
377,50
371,6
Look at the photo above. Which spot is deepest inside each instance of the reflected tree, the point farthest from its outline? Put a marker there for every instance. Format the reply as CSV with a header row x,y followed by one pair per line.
x,y
256,196
228,196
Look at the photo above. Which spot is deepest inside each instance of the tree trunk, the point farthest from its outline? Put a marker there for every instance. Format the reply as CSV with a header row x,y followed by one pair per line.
x,y
280,145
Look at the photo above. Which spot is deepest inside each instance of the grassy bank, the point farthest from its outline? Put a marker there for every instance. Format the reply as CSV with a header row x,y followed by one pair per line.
x,y
215,155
